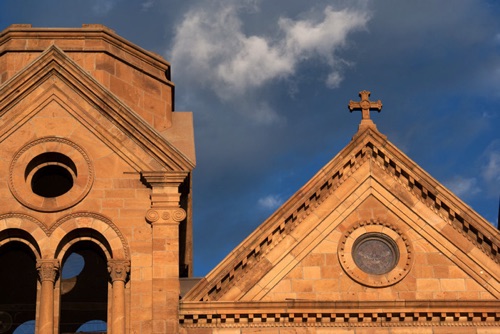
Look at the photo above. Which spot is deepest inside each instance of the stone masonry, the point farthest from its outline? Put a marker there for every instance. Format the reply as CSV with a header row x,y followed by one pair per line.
x,y
96,216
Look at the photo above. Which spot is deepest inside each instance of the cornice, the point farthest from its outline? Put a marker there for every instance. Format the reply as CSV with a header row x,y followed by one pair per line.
x,y
54,63
437,198
302,313
89,38
274,229
369,145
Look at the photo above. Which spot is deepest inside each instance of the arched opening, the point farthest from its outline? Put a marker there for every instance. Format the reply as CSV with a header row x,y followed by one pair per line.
x,y
18,285
52,174
27,327
93,326
84,286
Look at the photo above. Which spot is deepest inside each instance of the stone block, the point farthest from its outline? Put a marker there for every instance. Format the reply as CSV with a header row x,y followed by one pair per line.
x,y
312,273
453,284
428,284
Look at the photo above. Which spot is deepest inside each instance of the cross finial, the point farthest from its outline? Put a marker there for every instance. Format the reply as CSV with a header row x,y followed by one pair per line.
x,y
365,105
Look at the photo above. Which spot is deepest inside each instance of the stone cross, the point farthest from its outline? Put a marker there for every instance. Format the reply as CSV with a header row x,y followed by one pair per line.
x,y
365,105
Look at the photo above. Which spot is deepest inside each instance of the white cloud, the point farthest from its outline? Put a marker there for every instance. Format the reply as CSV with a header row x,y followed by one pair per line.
x,y
270,202
334,79
264,114
463,187
491,168
487,181
491,171
211,48
102,7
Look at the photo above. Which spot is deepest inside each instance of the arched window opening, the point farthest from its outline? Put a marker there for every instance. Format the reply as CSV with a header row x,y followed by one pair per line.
x,y
18,284
84,286
27,327
93,326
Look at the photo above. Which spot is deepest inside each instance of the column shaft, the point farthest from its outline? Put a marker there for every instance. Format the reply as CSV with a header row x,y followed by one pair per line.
x,y
47,271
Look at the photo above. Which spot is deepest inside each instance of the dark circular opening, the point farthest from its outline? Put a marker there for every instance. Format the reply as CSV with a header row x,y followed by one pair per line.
x,y
375,253
50,158
51,181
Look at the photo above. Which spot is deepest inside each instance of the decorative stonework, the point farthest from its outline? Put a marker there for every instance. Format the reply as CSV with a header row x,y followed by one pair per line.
x,y
66,157
174,215
293,217
98,217
365,105
434,200
344,314
118,270
22,216
165,197
375,254
368,150
48,270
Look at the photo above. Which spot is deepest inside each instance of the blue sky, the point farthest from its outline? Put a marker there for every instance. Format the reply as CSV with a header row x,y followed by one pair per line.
x,y
269,83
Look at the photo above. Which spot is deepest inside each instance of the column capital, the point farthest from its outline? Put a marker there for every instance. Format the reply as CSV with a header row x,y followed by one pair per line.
x,y
118,270
165,216
165,186
48,269
164,179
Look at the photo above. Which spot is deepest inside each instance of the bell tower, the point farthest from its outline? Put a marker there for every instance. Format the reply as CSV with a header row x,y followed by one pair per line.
x,y
95,184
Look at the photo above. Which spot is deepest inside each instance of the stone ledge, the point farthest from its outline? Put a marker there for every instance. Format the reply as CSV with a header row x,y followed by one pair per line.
x,y
89,38
340,314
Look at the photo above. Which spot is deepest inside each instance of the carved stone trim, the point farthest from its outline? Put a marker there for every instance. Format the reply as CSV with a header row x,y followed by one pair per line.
x,y
297,313
165,195
167,216
25,217
434,200
162,179
118,270
48,269
291,219
21,187
96,216
365,105
360,271
337,175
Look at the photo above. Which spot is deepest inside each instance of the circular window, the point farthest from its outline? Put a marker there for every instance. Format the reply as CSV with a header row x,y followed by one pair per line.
x,y
51,181
50,174
375,254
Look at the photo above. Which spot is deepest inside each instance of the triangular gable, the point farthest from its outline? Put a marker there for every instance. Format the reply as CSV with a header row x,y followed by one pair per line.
x,y
331,203
115,123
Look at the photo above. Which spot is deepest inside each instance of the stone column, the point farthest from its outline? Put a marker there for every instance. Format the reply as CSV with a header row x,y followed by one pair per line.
x,y
47,272
165,215
118,270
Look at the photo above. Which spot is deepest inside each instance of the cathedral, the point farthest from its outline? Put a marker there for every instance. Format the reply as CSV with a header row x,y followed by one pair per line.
x,y
96,216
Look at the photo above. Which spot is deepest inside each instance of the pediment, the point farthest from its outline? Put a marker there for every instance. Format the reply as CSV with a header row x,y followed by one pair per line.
x,y
56,82
305,250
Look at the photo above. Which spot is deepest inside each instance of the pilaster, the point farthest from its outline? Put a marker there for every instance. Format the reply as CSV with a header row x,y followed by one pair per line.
x,y
164,216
